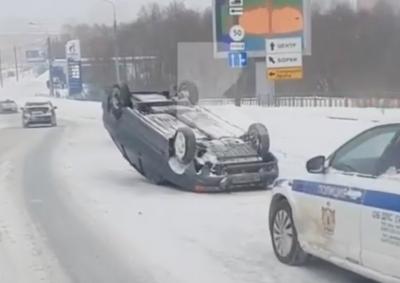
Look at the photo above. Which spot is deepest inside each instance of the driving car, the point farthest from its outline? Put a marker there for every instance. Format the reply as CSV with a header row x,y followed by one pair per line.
x,y
169,139
345,209
39,113
8,106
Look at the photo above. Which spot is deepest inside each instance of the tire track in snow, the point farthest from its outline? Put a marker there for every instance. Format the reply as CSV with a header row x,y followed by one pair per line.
x,y
84,255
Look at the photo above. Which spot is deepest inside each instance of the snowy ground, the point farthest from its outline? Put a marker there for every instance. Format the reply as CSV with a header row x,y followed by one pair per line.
x,y
96,220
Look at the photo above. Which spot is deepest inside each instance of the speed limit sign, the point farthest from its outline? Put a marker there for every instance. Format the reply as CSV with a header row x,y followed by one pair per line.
x,y
237,33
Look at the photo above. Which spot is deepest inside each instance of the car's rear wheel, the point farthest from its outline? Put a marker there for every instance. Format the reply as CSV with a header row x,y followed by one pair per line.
x,y
260,139
284,235
116,102
184,145
189,90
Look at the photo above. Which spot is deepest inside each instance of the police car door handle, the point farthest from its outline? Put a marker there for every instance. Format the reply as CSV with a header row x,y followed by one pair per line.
x,y
353,194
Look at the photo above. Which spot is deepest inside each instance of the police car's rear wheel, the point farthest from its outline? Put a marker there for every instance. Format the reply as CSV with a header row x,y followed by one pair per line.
x,y
284,235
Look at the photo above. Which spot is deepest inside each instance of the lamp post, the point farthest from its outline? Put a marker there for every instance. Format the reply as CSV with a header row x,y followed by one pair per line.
x,y
49,57
116,49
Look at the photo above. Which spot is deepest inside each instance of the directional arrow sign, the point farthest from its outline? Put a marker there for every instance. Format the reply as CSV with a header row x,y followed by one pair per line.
x,y
284,45
284,60
285,74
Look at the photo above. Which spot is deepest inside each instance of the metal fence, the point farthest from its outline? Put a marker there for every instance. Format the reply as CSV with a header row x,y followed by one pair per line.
x,y
310,102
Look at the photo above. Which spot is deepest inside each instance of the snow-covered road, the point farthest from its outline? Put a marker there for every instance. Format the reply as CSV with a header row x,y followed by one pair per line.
x,y
86,216
72,210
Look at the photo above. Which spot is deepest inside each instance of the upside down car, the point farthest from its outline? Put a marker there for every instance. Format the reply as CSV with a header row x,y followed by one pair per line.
x,y
169,139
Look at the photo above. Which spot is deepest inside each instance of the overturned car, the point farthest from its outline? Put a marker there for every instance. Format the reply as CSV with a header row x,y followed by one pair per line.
x,y
168,139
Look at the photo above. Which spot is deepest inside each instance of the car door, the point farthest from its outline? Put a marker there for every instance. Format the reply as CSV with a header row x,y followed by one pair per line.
x,y
380,220
329,207
333,200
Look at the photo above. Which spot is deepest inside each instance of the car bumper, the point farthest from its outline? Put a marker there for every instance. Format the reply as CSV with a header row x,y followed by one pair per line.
x,y
9,110
247,181
40,120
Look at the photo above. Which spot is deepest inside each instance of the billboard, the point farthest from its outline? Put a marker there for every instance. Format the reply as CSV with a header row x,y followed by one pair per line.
x,y
75,86
74,67
35,55
258,20
73,50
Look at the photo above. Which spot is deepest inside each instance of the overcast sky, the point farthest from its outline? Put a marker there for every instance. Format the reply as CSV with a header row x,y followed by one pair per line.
x,y
14,14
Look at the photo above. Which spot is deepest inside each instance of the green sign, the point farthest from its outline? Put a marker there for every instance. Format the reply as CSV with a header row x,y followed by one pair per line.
x,y
258,20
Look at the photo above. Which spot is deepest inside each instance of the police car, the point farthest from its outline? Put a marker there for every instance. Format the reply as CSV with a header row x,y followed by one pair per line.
x,y
346,209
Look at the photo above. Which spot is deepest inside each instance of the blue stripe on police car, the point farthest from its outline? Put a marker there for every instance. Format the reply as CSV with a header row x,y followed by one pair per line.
x,y
370,198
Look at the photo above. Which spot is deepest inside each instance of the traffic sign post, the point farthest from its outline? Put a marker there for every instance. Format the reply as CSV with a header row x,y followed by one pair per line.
x,y
73,54
237,56
237,60
284,45
277,74
284,58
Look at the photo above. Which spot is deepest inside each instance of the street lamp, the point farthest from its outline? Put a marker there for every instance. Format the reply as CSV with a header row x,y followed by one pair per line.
x,y
116,49
49,56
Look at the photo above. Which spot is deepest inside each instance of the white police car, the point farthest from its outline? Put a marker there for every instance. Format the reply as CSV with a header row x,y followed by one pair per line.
x,y
346,210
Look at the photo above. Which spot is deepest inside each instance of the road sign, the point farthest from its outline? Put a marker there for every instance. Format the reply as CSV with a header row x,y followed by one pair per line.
x,y
35,55
237,33
237,59
284,45
74,77
284,60
73,50
285,74
260,19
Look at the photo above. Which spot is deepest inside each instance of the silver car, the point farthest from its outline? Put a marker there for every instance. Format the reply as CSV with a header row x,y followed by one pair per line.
x,y
39,113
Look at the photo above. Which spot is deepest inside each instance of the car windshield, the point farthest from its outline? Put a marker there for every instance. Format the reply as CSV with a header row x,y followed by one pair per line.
x,y
196,141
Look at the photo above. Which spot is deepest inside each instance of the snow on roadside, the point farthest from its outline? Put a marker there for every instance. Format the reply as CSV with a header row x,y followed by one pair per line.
x,y
185,237
24,254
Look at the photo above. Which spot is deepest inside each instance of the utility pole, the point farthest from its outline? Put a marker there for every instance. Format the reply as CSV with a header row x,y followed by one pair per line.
x,y
116,48
50,59
16,63
1,72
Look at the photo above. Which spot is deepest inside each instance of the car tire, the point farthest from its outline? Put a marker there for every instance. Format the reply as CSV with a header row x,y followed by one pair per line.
x,y
192,91
184,145
116,103
260,140
284,235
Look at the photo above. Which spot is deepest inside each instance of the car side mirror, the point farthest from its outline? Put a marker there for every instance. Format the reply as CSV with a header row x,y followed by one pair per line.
x,y
55,107
316,165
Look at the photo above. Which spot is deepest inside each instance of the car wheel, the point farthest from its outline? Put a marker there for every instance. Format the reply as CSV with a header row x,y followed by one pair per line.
x,y
116,103
259,138
184,145
284,235
189,90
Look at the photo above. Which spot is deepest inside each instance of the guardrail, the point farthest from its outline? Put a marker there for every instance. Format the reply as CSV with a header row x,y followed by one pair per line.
x,y
309,102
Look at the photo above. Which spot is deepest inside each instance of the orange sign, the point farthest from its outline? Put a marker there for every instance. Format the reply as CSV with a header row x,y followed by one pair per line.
x,y
279,74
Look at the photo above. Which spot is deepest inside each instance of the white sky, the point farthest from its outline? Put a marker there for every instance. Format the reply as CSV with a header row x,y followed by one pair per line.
x,y
15,14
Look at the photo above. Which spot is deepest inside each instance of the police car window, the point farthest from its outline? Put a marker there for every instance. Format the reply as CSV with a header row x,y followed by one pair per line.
x,y
363,154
